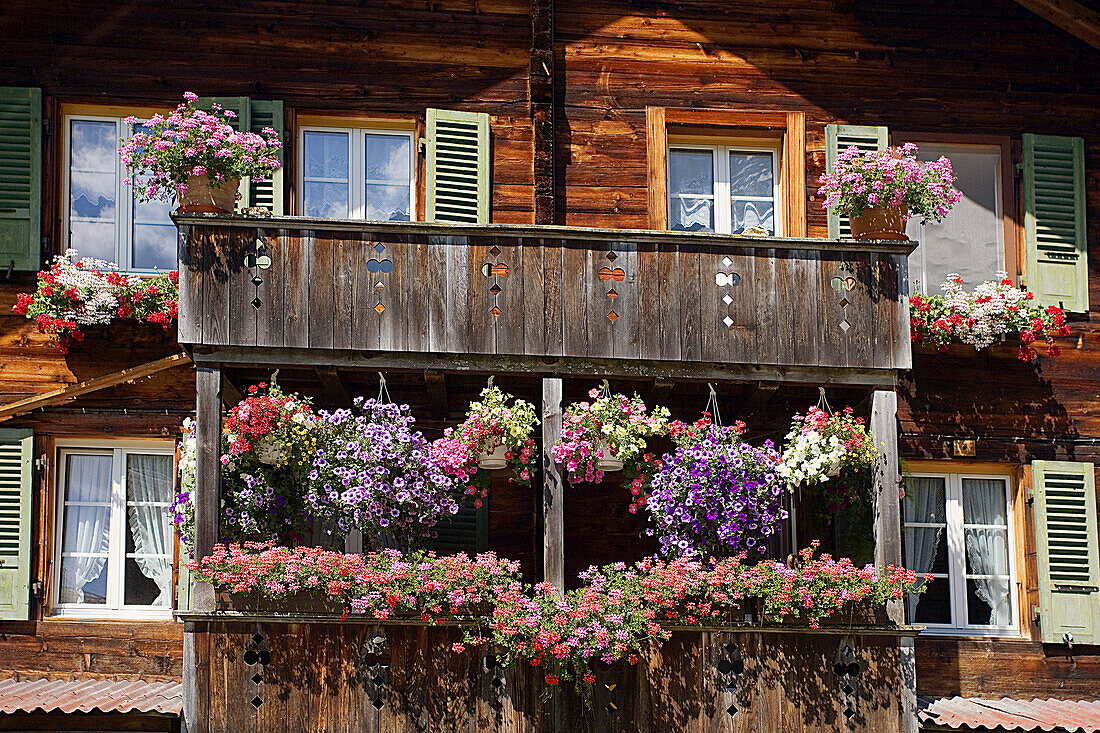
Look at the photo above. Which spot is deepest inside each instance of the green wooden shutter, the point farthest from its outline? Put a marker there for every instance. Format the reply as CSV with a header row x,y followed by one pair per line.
x,y
1066,545
839,138
242,107
467,531
16,479
269,191
183,581
20,178
457,167
1054,221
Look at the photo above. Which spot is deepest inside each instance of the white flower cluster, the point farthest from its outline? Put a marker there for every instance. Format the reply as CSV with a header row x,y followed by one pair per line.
x,y
99,304
810,457
997,306
187,456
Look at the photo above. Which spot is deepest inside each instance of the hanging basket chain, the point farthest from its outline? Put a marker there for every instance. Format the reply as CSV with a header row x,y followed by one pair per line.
x,y
383,391
712,407
822,402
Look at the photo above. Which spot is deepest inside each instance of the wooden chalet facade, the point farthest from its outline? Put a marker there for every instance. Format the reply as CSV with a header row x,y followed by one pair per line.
x,y
527,190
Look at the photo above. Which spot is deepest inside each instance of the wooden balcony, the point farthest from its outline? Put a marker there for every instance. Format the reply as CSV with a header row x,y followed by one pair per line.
x,y
591,301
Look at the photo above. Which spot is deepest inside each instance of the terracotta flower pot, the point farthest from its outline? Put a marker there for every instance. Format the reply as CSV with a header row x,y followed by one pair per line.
x,y
880,222
202,197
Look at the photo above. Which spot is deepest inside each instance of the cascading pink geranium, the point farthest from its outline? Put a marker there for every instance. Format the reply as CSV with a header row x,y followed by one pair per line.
x,y
165,151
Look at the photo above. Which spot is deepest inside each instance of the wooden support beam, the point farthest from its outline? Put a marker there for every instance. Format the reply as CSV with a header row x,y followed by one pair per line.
x,y
231,393
72,391
1070,16
208,469
335,391
540,82
553,487
884,432
436,383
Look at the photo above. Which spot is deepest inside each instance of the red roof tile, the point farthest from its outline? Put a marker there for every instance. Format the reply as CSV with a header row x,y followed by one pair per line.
x,y
1008,714
69,696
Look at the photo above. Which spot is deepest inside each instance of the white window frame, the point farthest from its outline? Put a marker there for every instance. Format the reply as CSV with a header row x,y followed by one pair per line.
x,y
922,285
124,194
357,183
956,557
723,215
116,543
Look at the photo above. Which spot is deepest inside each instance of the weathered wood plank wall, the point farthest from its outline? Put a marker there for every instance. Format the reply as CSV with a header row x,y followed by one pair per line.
x,y
671,299
323,677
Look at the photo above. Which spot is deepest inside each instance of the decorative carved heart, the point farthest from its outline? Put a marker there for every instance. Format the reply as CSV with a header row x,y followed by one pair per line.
x,y
721,279
498,269
849,282
383,266
606,273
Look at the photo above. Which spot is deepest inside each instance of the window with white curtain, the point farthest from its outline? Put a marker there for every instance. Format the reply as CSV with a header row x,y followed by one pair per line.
x,y
355,173
957,528
723,188
104,219
968,242
114,529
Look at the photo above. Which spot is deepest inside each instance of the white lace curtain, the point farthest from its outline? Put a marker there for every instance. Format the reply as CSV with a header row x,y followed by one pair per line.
x,y
925,501
149,492
987,547
87,525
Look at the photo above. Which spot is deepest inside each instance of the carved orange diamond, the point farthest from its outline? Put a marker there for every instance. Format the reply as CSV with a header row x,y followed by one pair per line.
x,y
612,294
379,308
612,316
495,311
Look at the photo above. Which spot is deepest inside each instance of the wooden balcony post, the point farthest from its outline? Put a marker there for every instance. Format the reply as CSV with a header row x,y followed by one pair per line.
x,y
208,471
553,516
884,431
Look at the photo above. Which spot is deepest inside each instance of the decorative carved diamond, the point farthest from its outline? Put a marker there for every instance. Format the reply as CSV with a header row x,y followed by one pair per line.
x,y
843,302
726,261
844,326
613,316
257,678
612,293
494,251
256,303
379,308
379,248
495,289
611,256
495,311
727,299
256,702
728,321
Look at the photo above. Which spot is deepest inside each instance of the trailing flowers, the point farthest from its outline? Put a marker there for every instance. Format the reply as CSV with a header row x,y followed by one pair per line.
x,y
993,309
76,293
616,615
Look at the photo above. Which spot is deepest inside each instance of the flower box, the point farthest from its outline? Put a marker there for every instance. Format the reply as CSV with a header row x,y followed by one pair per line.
x,y
303,602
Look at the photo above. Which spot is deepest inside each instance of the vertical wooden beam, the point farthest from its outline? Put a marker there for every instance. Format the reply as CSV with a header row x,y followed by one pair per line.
x,y
540,78
208,428
656,145
794,174
553,515
884,431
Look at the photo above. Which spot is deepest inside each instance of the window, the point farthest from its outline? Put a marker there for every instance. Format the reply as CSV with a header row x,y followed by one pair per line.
x,y
971,240
723,188
957,528
352,173
103,218
114,530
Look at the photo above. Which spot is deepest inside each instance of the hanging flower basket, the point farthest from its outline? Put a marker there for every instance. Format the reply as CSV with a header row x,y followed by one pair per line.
x,y
607,461
831,453
493,460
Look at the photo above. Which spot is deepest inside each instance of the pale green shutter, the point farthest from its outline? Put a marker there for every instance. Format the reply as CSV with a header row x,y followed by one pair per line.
x,y
242,107
457,167
839,138
183,581
16,484
1066,545
20,178
1054,221
269,191
467,531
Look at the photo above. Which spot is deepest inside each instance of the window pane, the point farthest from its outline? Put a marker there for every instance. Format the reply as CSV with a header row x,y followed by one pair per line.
x,y
988,602
93,182
387,203
148,530
691,215
759,214
925,499
926,549
984,501
691,171
751,174
84,541
934,605
969,241
986,551
326,174
388,159
154,236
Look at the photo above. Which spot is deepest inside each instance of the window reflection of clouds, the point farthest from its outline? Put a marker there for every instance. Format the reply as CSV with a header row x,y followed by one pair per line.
x,y
751,174
388,158
326,155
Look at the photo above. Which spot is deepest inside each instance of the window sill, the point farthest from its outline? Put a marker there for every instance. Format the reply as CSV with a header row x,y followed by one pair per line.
x,y
973,634
100,615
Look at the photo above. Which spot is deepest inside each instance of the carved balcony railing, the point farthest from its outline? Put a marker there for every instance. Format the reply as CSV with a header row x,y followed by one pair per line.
x,y
582,298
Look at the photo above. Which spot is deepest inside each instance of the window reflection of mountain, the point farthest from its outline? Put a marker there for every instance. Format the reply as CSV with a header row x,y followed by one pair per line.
x,y
82,206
